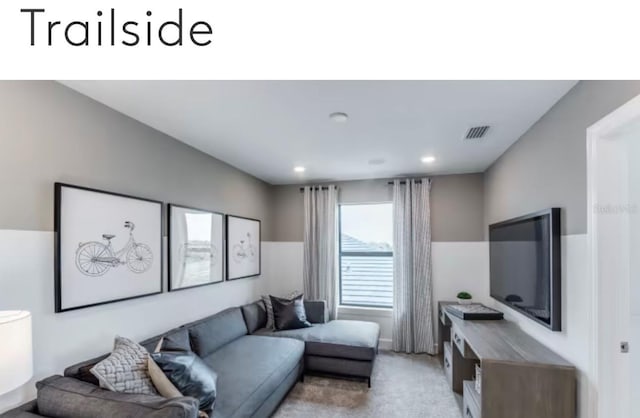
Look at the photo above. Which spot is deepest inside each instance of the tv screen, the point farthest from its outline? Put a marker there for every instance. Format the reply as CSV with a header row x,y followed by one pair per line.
x,y
525,265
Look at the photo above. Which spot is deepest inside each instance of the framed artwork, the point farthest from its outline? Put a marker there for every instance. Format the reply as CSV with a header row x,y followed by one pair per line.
x,y
243,247
196,247
108,247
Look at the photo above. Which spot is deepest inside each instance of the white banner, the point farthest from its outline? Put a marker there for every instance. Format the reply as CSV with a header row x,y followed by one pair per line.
x,y
328,39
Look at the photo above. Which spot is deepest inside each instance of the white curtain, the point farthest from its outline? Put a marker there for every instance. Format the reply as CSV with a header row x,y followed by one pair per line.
x,y
320,245
412,287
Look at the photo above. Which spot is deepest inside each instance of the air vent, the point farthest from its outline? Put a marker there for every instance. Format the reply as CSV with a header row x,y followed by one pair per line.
x,y
476,132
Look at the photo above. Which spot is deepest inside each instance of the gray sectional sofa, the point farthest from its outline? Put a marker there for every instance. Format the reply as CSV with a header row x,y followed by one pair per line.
x,y
256,367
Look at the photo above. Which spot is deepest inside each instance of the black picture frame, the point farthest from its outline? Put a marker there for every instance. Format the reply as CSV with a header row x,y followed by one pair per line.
x,y
170,244
230,248
58,228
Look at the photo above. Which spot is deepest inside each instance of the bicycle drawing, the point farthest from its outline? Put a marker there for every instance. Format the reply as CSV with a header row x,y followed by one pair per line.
x,y
95,258
244,251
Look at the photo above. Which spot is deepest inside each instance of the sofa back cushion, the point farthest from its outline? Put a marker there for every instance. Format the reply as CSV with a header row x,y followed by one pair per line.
x,y
82,370
255,316
63,397
209,334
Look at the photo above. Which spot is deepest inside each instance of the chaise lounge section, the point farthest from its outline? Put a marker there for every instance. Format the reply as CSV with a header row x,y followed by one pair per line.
x,y
339,347
256,367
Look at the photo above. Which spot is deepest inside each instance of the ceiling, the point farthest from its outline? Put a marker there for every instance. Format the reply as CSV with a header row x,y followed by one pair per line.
x,y
267,127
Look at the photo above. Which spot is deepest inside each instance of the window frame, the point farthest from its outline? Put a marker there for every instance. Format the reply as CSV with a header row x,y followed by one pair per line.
x,y
358,254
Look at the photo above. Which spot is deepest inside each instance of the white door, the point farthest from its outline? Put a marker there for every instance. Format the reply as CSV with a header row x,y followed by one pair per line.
x,y
614,188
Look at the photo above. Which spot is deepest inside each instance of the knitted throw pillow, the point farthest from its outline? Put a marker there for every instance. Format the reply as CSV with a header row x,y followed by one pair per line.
x,y
125,370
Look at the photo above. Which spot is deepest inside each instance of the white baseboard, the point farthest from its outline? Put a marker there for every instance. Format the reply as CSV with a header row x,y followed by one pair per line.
x,y
384,344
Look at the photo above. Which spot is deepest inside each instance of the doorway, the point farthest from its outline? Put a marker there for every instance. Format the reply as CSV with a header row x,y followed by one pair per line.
x,y
613,167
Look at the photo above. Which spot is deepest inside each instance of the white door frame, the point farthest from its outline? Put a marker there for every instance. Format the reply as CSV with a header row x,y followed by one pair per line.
x,y
600,395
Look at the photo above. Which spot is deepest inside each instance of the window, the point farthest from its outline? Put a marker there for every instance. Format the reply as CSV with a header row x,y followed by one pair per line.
x,y
366,255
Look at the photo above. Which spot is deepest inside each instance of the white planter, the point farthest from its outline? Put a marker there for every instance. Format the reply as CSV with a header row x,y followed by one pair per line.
x,y
465,301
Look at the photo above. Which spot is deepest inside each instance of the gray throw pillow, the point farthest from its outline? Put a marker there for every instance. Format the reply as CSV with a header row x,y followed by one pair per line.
x,y
174,341
266,299
267,305
125,370
289,313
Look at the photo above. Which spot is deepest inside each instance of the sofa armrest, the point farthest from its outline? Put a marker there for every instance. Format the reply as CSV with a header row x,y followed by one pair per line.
x,y
317,312
27,410
71,398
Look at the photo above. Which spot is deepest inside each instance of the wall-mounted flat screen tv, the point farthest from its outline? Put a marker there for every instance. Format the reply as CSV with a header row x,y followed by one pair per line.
x,y
525,265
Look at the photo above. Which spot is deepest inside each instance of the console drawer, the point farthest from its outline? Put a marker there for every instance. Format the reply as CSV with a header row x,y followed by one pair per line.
x,y
448,364
470,400
444,318
458,340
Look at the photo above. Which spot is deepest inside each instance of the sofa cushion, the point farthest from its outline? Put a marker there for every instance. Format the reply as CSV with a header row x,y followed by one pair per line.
x,y
249,370
26,410
63,397
209,334
357,340
317,312
255,316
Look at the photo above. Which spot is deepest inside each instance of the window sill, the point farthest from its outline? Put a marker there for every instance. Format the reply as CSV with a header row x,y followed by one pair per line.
x,y
364,311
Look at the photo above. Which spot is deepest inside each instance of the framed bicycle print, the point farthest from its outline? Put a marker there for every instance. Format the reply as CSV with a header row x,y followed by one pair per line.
x,y
243,247
108,247
196,239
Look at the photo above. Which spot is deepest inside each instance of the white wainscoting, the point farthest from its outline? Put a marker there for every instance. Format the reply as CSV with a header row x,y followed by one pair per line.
x,y
456,266
573,341
26,283
459,266
282,266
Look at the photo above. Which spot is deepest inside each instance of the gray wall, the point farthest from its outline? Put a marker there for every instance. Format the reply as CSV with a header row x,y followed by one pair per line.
x,y
456,206
547,166
50,133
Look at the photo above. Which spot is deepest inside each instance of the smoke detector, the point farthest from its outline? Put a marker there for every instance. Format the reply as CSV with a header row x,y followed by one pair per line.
x,y
476,132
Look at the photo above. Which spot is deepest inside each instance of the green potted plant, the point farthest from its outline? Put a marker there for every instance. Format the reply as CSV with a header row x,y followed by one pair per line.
x,y
464,298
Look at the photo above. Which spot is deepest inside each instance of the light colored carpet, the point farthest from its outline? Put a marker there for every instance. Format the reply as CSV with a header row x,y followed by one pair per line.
x,y
402,386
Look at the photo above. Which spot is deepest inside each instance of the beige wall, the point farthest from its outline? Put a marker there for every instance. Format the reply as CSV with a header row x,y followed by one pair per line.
x,y
456,206
50,133
547,166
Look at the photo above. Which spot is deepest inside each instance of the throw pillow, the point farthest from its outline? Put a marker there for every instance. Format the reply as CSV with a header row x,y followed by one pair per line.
x,y
266,299
174,341
161,381
289,313
125,370
190,375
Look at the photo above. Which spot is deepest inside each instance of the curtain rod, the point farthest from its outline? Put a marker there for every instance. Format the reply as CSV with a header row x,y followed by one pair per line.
x,y
319,188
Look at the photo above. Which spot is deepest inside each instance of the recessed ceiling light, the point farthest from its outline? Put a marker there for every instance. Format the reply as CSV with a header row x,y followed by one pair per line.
x,y
299,169
339,117
428,159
